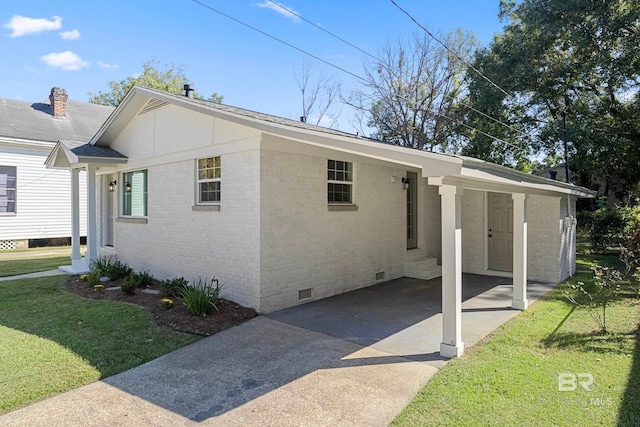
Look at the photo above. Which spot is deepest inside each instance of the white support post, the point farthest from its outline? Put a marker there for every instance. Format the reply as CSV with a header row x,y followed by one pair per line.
x,y
519,301
92,236
77,262
452,345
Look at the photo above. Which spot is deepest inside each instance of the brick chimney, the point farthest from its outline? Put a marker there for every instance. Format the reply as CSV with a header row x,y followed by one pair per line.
x,y
58,99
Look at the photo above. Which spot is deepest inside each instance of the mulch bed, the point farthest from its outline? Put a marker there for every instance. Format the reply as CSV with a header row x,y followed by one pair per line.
x,y
177,317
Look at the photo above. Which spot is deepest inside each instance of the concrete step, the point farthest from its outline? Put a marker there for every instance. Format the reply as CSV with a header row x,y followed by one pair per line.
x,y
426,269
415,255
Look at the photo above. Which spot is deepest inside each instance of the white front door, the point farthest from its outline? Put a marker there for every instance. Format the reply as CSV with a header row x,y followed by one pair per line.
x,y
500,233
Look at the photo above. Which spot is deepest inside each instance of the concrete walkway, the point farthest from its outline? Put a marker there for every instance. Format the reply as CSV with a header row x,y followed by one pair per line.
x,y
32,275
356,359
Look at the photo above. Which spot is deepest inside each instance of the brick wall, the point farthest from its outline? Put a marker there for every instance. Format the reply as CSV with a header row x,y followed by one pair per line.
x,y
545,231
303,245
177,241
431,230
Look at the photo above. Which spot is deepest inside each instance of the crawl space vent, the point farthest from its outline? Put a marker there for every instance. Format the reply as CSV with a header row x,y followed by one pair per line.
x,y
305,293
152,105
380,276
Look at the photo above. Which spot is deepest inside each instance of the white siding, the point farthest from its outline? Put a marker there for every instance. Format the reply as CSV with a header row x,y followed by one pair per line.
x,y
43,196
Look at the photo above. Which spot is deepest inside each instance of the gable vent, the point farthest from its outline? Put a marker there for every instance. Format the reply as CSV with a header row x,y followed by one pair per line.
x,y
152,105
305,293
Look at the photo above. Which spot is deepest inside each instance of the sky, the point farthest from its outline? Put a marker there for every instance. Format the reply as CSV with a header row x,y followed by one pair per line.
x,y
83,45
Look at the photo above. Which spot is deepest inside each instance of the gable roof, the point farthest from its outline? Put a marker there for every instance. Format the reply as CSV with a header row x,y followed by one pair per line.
x,y
35,122
443,168
68,153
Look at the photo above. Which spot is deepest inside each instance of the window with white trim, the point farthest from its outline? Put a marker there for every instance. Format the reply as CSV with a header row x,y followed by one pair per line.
x,y
8,189
134,193
340,182
209,186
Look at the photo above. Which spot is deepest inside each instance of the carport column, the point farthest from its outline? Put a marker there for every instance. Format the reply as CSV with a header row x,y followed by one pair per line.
x,y
519,301
92,241
76,259
452,345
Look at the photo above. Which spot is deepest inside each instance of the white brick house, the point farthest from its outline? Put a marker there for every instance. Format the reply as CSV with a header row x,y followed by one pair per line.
x,y
284,212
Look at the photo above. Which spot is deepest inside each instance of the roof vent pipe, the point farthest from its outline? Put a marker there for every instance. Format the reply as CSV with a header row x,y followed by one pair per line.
x,y
303,119
188,90
553,175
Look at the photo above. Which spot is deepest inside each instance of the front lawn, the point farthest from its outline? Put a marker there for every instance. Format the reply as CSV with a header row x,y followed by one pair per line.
x,y
53,341
547,366
14,267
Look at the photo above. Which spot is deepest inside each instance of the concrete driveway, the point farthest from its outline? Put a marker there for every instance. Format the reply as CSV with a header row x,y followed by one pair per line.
x,y
352,360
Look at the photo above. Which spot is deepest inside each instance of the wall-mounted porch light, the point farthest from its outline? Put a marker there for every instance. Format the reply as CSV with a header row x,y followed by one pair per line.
x,y
112,186
405,183
127,187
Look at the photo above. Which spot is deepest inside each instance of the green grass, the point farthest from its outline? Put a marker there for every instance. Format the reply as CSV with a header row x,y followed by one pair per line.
x,y
52,341
511,377
23,266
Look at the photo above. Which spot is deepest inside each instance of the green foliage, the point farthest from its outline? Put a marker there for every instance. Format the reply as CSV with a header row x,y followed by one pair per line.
x,y
93,278
598,294
129,284
175,286
114,270
607,228
143,279
67,341
170,78
554,56
201,296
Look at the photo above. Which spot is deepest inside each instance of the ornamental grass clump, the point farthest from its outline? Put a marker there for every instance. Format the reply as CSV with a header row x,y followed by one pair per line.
x,y
201,296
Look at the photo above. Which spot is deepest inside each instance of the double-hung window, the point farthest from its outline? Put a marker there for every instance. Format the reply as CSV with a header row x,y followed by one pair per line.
x,y
7,189
209,174
134,193
340,182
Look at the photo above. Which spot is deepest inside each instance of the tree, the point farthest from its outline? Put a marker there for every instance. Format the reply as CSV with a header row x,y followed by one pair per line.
x,y
411,89
171,79
580,57
319,97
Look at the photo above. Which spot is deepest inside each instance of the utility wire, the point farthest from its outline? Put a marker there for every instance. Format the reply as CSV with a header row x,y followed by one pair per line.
x,y
277,39
450,50
322,29
380,61
350,73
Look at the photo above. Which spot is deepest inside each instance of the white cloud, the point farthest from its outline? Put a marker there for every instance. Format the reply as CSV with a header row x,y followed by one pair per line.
x,y
22,25
68,61
70,35
281,9
106,66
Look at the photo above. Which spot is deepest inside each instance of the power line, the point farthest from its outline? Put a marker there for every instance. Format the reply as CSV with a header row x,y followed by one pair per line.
x,y
349,72
450,50
380,61
322,29
277,39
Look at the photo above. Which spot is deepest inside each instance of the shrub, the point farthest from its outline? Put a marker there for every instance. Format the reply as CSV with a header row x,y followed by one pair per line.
x,y
200,297
143,279
174,286
129,284
607,229
117,270
100,265
93,278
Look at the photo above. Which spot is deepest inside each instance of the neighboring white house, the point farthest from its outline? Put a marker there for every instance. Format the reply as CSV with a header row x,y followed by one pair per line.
x,y
284,212
35,201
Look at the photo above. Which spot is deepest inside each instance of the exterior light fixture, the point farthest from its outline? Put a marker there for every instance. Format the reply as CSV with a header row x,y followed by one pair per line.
x,y
405,183
112,186
127,187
